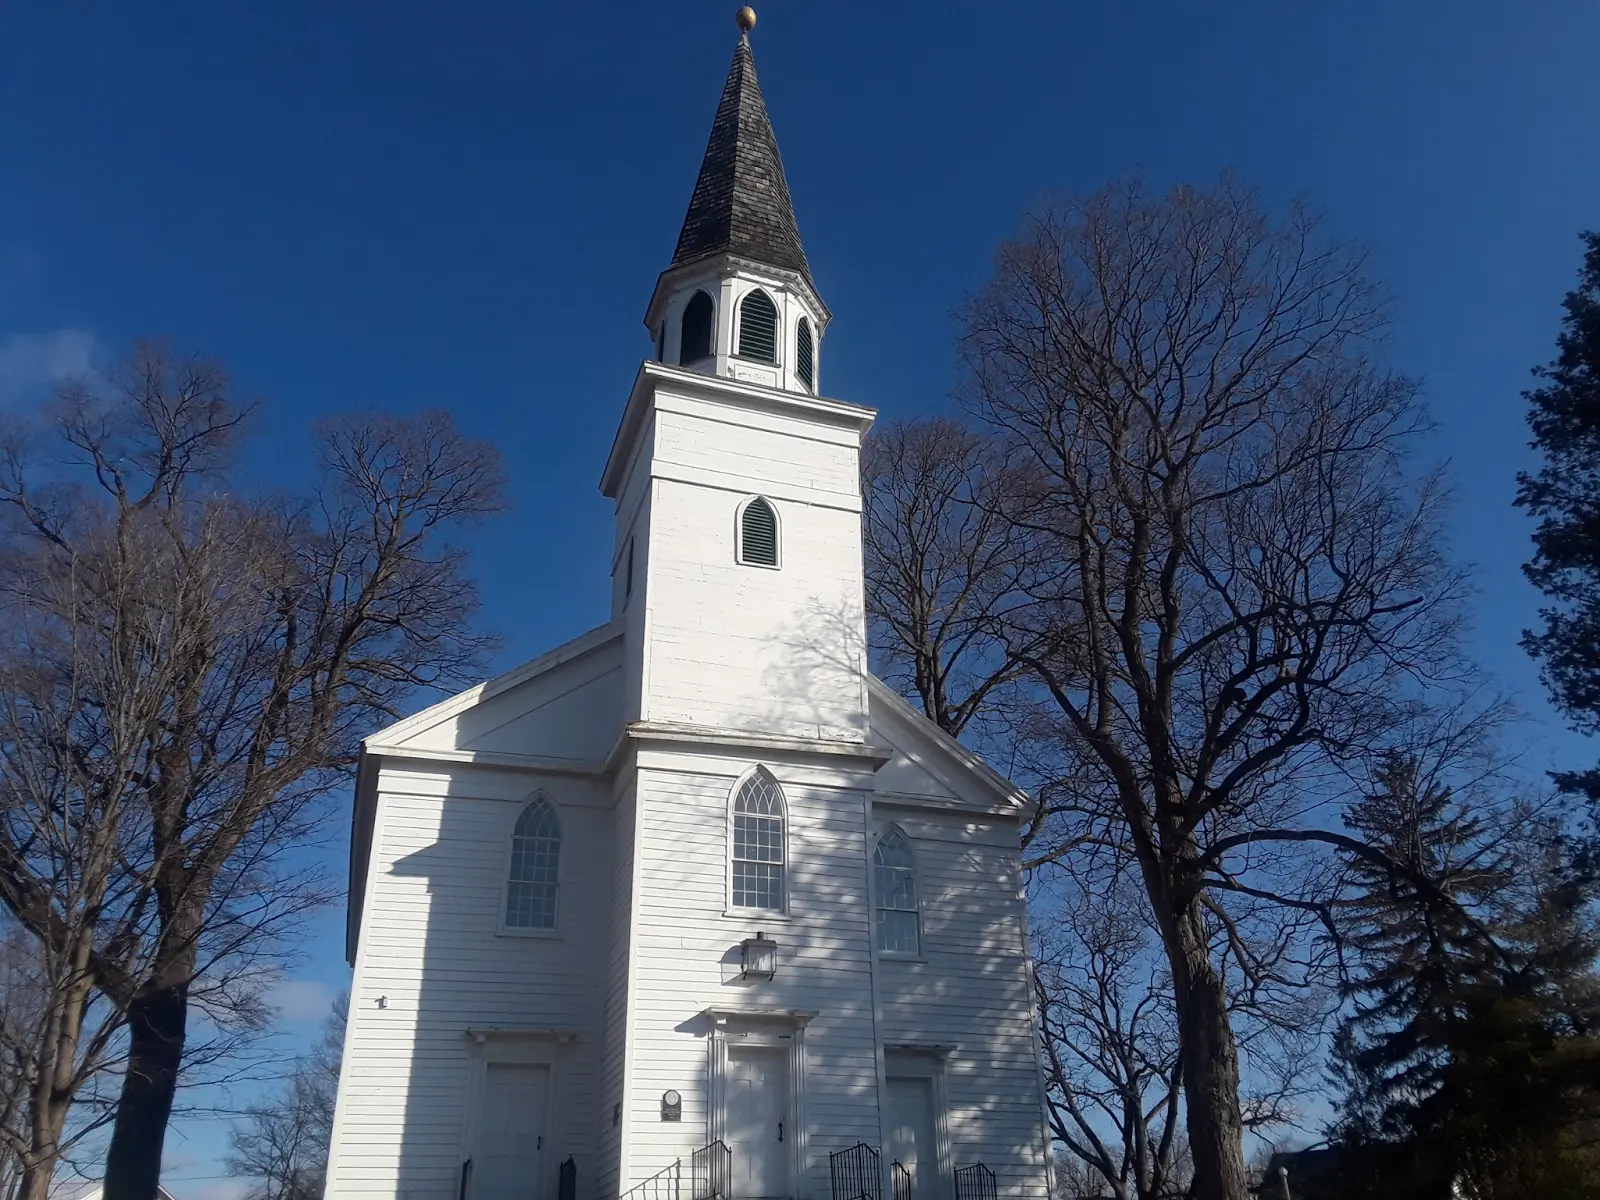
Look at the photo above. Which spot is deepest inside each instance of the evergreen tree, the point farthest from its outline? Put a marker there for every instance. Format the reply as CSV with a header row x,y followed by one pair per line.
x,y
1472,1039
1418,947
1565,496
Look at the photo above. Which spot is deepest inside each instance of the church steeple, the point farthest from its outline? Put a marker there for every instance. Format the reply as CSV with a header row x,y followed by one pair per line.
x,y
741,201
737,299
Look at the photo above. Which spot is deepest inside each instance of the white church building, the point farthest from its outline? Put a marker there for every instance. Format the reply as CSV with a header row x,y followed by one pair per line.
x,y
694,907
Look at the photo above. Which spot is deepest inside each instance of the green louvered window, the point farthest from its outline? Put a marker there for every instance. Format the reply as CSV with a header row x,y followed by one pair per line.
x,y
803,355
694,339
758,534
758,328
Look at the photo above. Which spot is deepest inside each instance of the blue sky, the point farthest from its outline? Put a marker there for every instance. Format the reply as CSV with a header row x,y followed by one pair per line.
x,y
408,205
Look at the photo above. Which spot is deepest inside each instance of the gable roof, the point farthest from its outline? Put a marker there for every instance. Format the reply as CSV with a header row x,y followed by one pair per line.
x,y
741,203
407,730
936,752
934,767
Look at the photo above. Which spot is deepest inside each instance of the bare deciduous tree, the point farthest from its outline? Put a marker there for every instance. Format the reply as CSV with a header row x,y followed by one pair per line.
x,y
943,566
265,636
1246,586
282,1145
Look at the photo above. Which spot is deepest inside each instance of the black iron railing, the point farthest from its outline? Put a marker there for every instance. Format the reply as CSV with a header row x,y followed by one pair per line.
x,y
466,1179
856,1173
710,1170
567,1181
663,1185
901,1181
975,1183
710,1173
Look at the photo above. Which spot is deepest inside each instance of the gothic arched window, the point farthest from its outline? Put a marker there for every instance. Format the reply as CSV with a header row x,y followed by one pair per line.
x,y
758,533
759,854
804,355
534,877
758,327
694,335
894,879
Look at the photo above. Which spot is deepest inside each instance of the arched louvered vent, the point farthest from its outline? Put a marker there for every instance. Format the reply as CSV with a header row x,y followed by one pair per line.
x,y
758,534
758,327
694,339
804,367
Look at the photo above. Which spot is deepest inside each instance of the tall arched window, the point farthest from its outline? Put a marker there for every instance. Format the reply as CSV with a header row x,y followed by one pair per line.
x,y
758,844
894,872
758,534
758,327
694,335
804,355
535,868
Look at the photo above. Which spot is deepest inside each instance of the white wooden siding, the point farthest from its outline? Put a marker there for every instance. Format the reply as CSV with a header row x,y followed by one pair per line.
x,y
430,949
971,990
686,950
613,1066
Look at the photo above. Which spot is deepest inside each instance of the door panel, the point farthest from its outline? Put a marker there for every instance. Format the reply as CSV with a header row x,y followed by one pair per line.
x,y
757,1121
911,1134
508,1161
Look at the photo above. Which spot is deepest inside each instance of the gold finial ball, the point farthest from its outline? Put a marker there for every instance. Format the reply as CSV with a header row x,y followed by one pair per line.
x,y
746,18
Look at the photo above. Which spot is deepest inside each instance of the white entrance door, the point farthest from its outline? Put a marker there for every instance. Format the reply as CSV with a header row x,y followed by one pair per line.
x,y
508,1160
911,1134
757,1119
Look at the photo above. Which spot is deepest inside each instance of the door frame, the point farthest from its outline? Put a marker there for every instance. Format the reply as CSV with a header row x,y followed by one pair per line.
x,y
767,1029
913,1061
514,1047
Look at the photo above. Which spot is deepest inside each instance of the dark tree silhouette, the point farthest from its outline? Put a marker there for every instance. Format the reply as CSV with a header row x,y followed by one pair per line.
x,y
1564,494
266,634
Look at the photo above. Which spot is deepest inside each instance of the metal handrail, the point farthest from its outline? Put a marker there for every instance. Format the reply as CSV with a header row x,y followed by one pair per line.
x,y
900,1178
975,1183
710,1176
710,1170
856,1173
665,1184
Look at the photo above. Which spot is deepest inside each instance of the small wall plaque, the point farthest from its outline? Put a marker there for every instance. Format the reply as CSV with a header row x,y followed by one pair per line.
x,y
671,1106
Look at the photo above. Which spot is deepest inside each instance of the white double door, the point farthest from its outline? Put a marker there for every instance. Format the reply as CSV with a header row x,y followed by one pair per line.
x,y
759,1130
911,1133
508,1158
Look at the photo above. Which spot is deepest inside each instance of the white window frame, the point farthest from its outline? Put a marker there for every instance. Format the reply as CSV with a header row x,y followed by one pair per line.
x,y
877,898
786,875
502,928
777,533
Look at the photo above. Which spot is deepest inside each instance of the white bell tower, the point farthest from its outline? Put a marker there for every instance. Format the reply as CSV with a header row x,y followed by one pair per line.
x,y
738,571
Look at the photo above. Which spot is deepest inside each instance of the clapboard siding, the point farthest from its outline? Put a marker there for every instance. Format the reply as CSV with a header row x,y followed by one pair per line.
x,y
742,647
431,950
686,949
972,990
613,1074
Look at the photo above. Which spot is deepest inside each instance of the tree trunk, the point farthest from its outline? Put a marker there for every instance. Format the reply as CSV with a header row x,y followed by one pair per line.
x,y
157,1023
53,1093
1210,1065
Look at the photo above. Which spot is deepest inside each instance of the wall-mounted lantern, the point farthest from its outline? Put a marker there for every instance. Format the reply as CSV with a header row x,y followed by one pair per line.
x,y
671,1106
758,957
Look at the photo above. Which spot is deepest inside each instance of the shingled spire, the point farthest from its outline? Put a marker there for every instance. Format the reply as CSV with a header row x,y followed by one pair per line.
x,y
741,202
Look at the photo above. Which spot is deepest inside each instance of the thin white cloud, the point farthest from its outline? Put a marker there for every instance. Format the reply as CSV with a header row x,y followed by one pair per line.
x,y
31,361
300,1000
